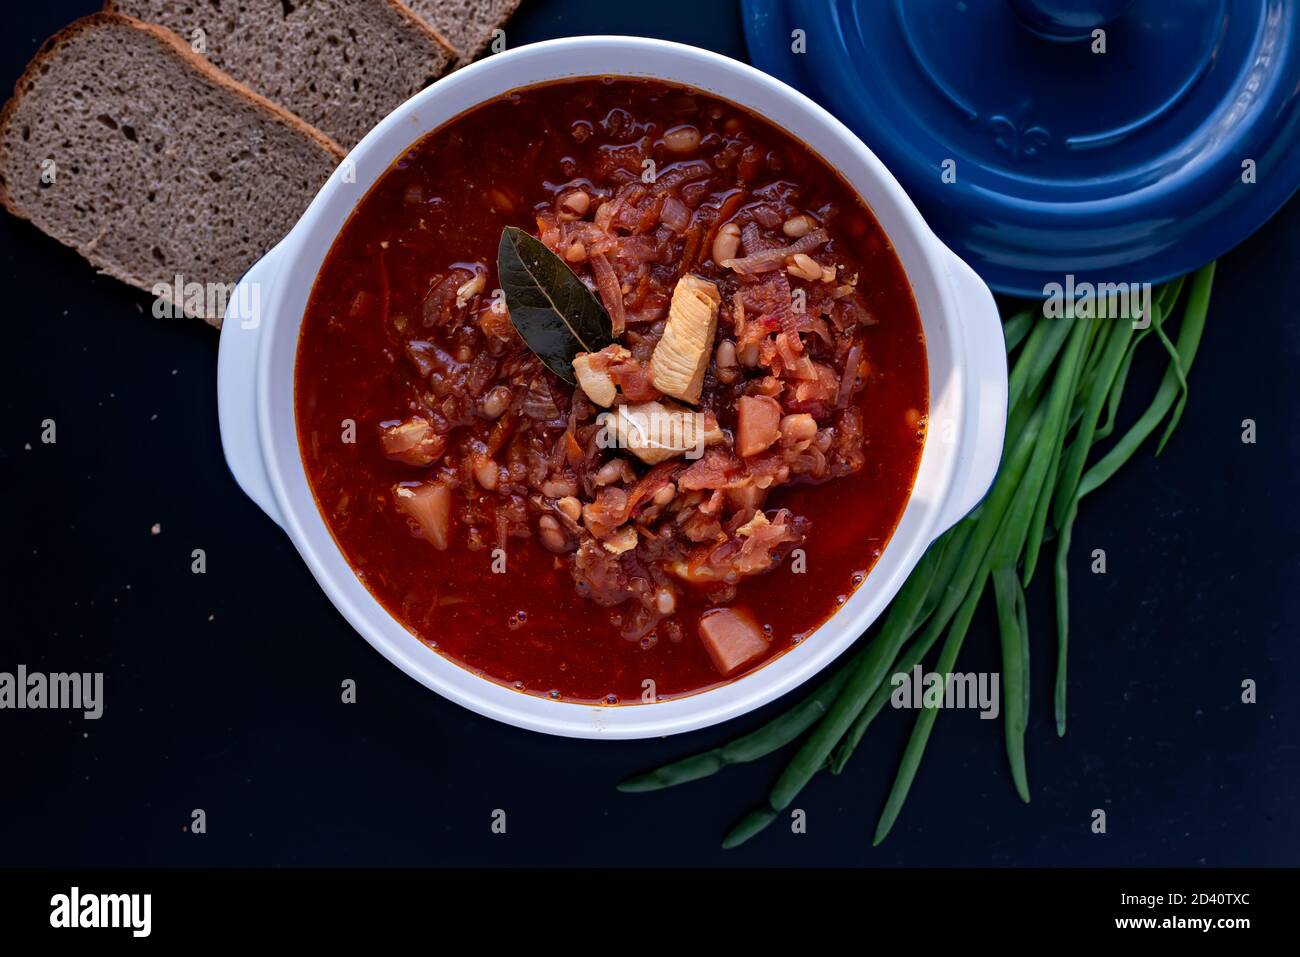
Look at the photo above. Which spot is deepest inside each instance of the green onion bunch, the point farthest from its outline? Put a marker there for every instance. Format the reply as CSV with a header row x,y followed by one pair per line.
x,y
1067,381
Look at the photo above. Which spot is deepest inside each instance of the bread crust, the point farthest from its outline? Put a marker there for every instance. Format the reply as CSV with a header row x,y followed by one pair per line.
x,y
171,44
110,6
466,57
108,16
419,22
410,18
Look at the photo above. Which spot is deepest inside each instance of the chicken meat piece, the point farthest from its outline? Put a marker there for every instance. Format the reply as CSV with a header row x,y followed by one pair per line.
x,y
682,354
592,372
655,431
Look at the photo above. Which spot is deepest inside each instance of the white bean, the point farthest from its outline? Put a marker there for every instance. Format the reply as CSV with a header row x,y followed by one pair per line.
x,y
804,266
726,243
665,495
682,139
574,205
796,227
487,473
495,402
612,471
552,536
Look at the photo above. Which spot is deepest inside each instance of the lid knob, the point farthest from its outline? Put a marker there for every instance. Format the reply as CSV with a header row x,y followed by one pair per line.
x,y
1068,20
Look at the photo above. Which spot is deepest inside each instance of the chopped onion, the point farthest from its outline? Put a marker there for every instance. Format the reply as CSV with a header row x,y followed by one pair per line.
x,y
675,215
850,376
610,292
770,259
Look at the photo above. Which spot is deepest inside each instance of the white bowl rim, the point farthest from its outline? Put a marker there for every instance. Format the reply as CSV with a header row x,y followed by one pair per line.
x,y
922,521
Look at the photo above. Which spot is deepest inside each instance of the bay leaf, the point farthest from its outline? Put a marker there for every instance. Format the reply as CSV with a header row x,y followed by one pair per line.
x,y
551,308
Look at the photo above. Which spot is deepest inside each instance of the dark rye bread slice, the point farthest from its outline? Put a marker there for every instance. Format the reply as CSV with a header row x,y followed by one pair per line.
x,y
163,166
468,24
341,65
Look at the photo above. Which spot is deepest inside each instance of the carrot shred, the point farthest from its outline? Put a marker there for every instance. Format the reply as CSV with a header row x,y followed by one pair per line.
x,y
691,247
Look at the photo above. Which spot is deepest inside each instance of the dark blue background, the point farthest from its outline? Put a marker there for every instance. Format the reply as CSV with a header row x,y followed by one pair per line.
x,y
223,689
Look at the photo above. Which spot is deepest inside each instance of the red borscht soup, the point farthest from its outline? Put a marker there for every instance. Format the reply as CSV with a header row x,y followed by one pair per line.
x,y
755,309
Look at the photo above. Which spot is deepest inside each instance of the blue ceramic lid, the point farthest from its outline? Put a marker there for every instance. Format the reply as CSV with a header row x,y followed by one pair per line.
x,y
1115,140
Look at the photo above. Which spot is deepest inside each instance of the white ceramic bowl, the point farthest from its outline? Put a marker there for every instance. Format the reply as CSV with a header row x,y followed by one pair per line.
x,y
968,377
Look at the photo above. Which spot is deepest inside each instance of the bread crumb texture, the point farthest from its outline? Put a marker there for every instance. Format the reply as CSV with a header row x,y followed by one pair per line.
x,y
119,143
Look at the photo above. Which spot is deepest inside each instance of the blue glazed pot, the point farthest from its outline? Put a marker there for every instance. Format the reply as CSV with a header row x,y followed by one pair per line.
x,y
1133,156
1068,20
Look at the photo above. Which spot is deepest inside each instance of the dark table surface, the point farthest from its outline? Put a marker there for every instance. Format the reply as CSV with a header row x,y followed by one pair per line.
x,y
222,689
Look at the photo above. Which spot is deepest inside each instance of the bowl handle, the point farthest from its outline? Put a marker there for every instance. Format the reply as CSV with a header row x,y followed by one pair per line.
x,y
984,425
241,333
